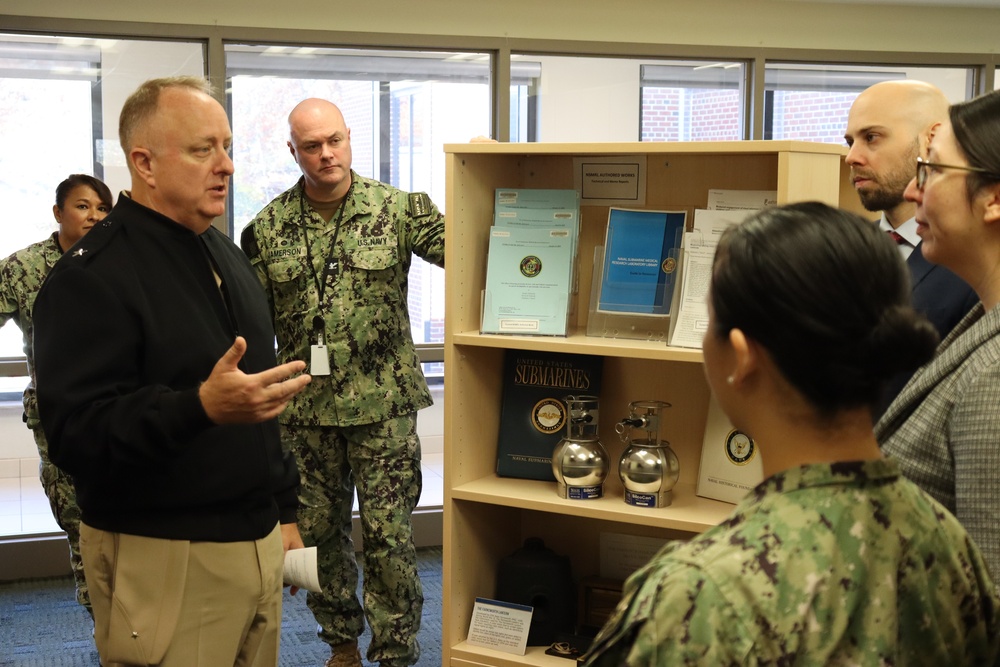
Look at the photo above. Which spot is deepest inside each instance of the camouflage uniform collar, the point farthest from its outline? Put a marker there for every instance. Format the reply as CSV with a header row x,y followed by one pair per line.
x,y
53,242
844,473
308,217
360,192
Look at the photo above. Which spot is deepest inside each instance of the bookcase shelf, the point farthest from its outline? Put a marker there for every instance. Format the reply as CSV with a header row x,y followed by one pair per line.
x,y
487,517
467,655
580,343
688,512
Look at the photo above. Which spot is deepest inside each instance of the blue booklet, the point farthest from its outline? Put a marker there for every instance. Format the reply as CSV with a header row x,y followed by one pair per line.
x,y
640,267
528,276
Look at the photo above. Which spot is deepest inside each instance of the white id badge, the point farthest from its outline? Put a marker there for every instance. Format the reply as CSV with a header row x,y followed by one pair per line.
x,y
319,362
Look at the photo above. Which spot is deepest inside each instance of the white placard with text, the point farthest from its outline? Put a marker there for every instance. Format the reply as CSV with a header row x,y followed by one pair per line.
x,y
502,626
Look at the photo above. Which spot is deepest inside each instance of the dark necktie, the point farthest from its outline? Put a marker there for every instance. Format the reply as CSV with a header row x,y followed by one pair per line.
x,y
896,237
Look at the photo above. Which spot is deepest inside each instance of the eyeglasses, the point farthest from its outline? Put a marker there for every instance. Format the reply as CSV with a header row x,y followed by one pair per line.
x,y
923,164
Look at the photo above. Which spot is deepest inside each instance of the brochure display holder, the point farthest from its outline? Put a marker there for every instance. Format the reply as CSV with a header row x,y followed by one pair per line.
x,y
635,273
608,324
632,326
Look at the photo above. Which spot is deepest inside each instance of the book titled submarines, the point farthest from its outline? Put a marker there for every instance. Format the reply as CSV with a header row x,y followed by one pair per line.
x,y
533,415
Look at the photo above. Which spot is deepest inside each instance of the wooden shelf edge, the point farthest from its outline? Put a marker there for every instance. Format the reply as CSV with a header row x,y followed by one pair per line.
x,y
463,654
580,343
688,512
771,146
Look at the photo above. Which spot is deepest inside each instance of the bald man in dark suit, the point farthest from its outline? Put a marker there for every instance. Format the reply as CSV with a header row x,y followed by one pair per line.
x,y
889,125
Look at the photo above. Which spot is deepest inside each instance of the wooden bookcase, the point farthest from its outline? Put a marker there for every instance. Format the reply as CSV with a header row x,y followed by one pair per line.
x,y
488,517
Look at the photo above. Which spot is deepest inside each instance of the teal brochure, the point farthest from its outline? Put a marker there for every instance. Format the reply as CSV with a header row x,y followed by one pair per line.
x,y
640,267
548,218
528,277
547,209
535,198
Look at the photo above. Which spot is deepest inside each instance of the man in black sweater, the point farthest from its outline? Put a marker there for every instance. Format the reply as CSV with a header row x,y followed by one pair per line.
x,y
158,390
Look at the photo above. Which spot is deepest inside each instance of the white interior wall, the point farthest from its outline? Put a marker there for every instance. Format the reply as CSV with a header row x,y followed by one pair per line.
x,y
588,99
806,24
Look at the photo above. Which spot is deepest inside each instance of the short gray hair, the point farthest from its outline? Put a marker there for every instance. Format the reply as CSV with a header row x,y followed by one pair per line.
x,y
142,104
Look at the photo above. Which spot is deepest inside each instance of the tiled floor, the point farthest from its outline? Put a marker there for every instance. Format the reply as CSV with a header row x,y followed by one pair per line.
x,y
24,509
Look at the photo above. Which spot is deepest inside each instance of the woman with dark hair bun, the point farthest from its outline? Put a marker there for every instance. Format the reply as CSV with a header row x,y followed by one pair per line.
x,y
81,202
835,558
944,426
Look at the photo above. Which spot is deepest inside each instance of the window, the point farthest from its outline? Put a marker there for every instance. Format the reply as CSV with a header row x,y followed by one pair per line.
x,y
525,76
810,102
59,103
692,101
401,106
566,98
40,81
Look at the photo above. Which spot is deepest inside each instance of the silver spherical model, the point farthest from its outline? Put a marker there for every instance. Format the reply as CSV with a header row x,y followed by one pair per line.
x,y
648,468
580,462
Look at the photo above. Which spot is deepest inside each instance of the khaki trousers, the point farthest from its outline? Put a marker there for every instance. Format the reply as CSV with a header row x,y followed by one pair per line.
x,y
176,603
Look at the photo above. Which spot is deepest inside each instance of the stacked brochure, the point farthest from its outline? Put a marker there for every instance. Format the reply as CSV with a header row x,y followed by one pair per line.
x,y
531,266
540,209
537,208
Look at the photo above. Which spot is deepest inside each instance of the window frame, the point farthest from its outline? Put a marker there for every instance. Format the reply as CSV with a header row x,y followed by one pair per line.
x,y
984,66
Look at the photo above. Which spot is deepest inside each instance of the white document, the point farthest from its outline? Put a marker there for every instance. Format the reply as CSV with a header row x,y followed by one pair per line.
x,y
750,200
691,319
301,569
502,626
711,223
731,465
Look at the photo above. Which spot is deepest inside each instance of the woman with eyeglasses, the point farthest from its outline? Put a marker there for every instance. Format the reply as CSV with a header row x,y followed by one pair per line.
x,y
944,426
835,558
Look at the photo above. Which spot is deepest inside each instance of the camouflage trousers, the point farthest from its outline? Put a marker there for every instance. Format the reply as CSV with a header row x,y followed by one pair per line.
x,y
383,461
59,490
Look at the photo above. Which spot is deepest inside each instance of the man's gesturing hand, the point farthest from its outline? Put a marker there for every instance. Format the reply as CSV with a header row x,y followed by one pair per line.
x,y
230,396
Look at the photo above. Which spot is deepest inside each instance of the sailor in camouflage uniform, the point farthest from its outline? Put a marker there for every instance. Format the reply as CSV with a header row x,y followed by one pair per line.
x,y
835,558
333,253
81,201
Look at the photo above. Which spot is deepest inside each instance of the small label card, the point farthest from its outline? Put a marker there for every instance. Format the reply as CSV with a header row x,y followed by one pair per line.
x,y
502,626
